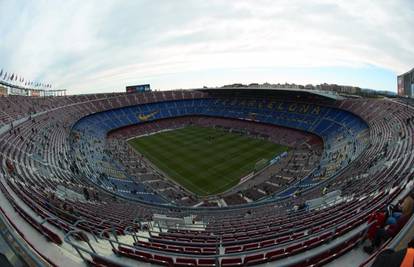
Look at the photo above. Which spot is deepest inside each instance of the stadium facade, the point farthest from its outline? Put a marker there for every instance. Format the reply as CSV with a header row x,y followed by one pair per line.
x,y
405,84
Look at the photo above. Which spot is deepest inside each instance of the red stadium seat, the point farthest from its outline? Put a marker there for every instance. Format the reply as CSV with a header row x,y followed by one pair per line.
x,y
184,262
254,259
231,262
276,254
206,262
162,260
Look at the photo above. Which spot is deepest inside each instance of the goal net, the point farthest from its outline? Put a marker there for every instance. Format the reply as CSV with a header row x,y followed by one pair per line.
x,y
260,164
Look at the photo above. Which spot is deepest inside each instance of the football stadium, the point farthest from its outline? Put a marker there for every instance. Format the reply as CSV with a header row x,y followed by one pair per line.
x,y
244,174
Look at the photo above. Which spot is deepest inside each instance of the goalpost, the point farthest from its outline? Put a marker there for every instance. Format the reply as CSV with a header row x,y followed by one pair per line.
x,y
260,164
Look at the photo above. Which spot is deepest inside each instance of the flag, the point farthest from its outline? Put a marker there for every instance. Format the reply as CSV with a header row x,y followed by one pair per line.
x,y
1,72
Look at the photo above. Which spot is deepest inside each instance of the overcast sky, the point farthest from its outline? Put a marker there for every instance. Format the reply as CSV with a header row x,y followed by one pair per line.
x,y
100,46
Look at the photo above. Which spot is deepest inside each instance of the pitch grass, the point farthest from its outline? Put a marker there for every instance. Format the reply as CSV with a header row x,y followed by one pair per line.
x,y
203,165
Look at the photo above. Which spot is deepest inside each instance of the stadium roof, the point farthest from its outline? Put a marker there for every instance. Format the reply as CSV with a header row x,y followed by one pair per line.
x,y
324,94
405,73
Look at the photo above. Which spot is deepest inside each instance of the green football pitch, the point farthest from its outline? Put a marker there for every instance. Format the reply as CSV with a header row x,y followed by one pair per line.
x,y
205,161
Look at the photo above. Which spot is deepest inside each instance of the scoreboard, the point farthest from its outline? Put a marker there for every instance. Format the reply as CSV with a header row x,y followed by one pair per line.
x,y
138,88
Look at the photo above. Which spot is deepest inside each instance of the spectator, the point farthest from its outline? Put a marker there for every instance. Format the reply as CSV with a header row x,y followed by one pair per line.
x,y
96,195
378,220
391,258
10,166
385,233
408,204
86,193
405,208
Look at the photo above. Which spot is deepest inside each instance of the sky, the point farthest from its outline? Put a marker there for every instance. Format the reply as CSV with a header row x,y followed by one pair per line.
x,y
102,46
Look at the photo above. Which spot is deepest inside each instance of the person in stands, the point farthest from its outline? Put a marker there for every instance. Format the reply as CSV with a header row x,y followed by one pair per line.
x,y
396,220
408,205
404,208
377,221
86,193
10,166
391,258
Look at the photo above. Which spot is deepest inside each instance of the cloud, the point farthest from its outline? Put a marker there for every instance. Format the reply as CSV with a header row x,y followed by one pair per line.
x,y
97,46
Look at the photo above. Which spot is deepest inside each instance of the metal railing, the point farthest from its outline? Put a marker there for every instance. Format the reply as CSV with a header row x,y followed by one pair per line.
x,y
19,245
89,254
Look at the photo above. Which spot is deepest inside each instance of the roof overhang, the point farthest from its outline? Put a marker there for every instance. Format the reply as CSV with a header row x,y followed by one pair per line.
x,y
328,95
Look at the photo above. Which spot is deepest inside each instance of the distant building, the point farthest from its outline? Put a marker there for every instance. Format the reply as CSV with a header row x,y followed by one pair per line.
x,y
405,84
3,91
234,85
340,88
